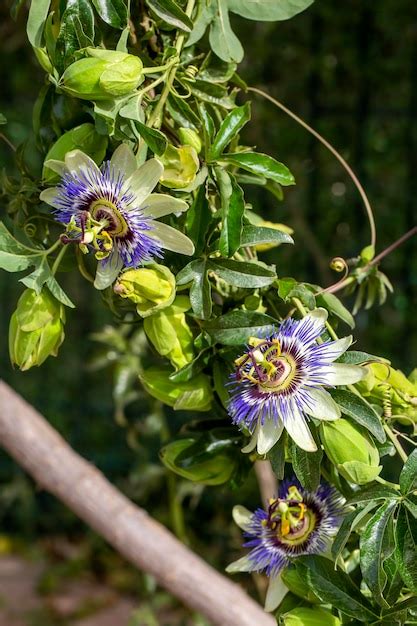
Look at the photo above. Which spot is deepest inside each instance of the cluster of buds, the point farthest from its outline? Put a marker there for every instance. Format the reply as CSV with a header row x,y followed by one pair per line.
x,y
102,74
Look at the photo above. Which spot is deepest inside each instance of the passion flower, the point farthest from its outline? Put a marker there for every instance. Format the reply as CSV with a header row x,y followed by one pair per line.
x,y
280,381
297,522
112,211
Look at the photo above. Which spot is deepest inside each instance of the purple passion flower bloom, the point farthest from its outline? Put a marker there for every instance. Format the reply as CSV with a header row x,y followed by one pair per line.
x,y
112,211
279,382
296,523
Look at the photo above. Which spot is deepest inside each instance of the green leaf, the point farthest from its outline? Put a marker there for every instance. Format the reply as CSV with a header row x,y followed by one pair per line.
x,y
171,13
349,523
39,276
200,290
375,546
229,128
113,12
237,326
254,235
14,256
210,92
84,138
198,219
355,357
276,457
268,10
182,113
408,476
205,14
406,548
360,411
153,137
210,458
334,587
38,13
233,208
222,39
191,369
244,274
330,302
289,288
306,466
373,492
221,376
261,164
76,32
411,504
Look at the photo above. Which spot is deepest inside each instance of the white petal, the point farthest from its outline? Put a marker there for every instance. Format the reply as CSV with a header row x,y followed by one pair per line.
x,y
253,440
123,160
298,430
269,433
49,196
107,271
56,166
275,594
160,204
77,161
171,238
342,374
144,179
243,564
319,314
336,348
322,405
242,516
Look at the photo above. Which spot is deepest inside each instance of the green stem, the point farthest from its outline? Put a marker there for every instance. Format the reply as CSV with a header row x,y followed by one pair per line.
x,y
81,265
156,117
402,453
387,483
58,259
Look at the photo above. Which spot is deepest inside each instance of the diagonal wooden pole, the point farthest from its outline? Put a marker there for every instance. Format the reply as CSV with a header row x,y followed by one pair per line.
x,y
44,454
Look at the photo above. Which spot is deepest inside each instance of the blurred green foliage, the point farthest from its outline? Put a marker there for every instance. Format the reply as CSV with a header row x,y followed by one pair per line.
x,y
350,73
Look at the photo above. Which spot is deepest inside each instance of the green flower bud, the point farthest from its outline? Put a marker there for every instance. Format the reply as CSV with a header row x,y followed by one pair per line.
x,y
36,329
102,75
181,166
193,395
189,137
304,616
351,450
151,288
170,334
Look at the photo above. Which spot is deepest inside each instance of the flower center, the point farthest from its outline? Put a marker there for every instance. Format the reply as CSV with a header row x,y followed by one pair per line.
x,y
290,518
104,211
267,367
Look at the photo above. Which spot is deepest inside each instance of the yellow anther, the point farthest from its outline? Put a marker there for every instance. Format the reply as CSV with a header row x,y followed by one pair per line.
x,y
285,527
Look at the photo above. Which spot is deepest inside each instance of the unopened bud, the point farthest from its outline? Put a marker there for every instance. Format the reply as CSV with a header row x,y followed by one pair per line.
x,y
102,75
170,334
36,329
151,288
351,450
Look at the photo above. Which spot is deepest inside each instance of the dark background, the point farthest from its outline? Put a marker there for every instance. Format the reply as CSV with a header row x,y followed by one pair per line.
x,y
347,68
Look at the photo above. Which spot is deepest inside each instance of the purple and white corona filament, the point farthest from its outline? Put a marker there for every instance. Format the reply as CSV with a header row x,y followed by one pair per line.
x,y
112,211
297,522
280,381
